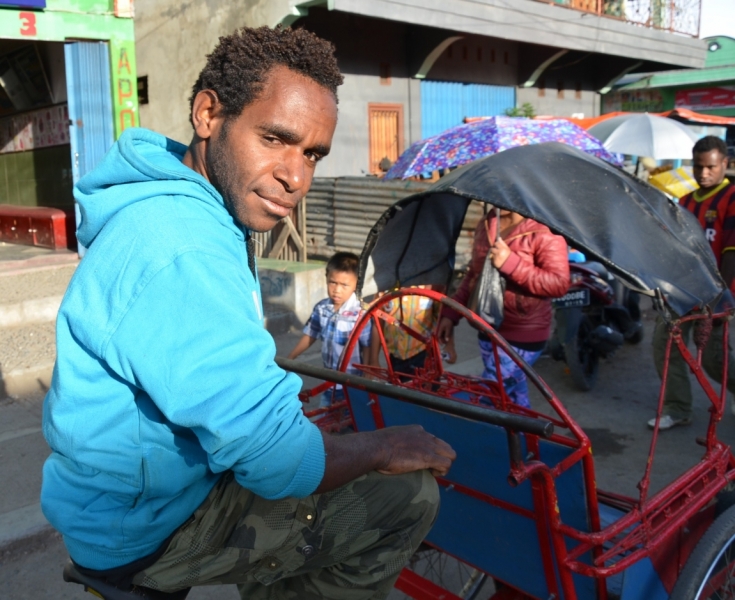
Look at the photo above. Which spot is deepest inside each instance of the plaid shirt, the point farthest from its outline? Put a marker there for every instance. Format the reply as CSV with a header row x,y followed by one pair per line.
x,y
334,328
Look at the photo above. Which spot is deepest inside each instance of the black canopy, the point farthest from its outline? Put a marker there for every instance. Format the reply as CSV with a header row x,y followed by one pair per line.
x,y
632,228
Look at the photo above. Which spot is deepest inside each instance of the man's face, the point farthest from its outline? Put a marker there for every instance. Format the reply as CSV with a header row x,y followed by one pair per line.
x,y
340,286
709,168
262,162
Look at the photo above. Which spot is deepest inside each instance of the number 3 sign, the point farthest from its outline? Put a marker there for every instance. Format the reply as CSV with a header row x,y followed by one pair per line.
x,y
27,23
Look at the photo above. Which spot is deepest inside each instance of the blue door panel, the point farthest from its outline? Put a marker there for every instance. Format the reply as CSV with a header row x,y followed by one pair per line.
x,y
445,104
88,88
88,85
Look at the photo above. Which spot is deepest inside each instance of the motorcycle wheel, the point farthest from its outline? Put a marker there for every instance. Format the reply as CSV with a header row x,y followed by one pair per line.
x,y
583,361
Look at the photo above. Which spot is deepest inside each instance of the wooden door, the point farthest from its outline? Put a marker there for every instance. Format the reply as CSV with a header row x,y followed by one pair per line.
x,y
385,123
587,5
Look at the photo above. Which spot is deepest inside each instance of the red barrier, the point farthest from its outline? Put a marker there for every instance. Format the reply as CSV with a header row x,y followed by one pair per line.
x,y
34,226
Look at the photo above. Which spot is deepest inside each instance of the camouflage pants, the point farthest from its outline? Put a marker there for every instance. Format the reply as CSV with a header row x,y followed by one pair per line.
x,y
348,544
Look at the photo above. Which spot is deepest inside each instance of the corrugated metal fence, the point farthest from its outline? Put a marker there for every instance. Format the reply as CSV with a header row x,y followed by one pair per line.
x,y
340,212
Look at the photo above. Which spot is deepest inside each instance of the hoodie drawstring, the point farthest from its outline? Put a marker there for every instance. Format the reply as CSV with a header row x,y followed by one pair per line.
x,y
250,245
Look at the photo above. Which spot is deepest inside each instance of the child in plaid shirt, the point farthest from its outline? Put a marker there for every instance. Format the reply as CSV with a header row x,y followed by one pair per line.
x,y
333,320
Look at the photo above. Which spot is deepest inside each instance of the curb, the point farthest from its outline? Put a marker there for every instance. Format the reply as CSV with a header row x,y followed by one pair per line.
x,y
38,310
28,381
38,263
24,530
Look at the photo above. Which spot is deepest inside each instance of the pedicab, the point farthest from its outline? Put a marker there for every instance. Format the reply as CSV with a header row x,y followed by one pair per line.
x,y
520,505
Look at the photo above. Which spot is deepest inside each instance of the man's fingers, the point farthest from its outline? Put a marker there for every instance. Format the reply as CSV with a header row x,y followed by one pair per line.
x,y
440,469
444,449
414,449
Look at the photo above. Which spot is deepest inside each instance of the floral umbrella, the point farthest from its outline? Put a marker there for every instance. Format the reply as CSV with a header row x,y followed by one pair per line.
x,y
463,144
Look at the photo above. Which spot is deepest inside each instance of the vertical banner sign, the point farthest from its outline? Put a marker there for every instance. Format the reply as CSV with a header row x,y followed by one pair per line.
x,y
124,85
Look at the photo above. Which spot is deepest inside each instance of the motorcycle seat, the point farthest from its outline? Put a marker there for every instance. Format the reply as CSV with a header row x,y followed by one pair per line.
x,y
597,268
106,591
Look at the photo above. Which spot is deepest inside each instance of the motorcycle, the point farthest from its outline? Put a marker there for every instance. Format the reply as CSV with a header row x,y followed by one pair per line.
x,y
593,319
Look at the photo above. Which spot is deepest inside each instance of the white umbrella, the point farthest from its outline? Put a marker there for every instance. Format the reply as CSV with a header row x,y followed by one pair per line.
x,y
645,135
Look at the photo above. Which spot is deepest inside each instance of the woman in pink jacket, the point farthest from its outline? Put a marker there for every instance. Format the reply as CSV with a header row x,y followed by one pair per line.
x,y
533,261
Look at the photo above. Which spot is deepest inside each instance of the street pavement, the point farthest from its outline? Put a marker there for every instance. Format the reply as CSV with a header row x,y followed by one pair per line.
x,y
32,554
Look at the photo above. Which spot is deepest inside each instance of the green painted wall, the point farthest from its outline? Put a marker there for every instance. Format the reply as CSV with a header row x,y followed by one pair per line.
x,y
719,71
85,20
37,178
60,25
81,6
722,53
42,177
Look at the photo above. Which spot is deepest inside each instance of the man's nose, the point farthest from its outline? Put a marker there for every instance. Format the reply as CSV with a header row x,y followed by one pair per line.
x,y
291,171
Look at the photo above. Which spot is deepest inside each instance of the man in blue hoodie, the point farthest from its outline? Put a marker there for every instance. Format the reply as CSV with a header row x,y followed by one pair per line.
x,y
180,453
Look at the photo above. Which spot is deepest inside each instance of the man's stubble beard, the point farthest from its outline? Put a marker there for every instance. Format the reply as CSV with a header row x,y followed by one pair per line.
x,y
222,175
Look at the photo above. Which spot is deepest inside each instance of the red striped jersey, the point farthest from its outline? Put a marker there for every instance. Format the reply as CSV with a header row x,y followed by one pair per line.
x,y
715,211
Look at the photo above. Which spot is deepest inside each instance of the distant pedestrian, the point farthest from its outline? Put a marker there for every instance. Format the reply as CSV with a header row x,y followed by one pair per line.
x,y
714,206
534,263
333,320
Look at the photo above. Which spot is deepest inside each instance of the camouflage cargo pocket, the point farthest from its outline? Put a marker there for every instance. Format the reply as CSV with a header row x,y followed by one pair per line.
x,y
235,532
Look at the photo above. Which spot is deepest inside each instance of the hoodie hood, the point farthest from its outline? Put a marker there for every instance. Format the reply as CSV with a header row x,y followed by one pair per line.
x,y
141,164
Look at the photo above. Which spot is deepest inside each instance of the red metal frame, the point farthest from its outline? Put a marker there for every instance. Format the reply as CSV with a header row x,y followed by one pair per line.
x,y
647,521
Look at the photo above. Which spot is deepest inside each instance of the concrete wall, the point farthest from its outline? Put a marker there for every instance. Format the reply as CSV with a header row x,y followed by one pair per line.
x,y
292,289
588,103
475,59
173,39
350,146
365,48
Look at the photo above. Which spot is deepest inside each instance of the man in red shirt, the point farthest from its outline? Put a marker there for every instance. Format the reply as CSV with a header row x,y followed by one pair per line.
x,y
714,206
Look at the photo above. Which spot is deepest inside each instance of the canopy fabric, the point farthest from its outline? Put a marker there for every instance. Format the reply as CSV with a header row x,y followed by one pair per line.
x,y
644,134
677,182
632,228
682,114
685,114
465,143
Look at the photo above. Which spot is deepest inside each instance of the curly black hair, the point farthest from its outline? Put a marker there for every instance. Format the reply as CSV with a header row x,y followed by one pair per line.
x,y
709,143
238,66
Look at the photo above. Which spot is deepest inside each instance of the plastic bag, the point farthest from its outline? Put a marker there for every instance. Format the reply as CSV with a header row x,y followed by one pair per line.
x,y
490,290
487,297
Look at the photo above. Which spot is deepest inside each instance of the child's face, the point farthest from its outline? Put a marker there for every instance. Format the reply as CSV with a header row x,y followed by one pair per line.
x,y
340,286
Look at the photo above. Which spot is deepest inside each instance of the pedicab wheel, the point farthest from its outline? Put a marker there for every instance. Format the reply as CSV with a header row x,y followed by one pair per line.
x,y
583,361
447,572
710,570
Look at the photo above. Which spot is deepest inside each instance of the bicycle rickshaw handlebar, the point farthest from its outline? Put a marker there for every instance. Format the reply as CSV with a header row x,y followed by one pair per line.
x,y
517,423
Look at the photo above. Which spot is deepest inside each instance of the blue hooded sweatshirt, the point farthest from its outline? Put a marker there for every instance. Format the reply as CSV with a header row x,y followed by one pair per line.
x,y
164,377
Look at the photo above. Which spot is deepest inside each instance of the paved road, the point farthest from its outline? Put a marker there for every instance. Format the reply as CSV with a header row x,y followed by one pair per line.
x,y
614,416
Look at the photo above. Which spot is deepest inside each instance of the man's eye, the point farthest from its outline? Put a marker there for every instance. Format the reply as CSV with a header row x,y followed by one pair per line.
x,y
315,158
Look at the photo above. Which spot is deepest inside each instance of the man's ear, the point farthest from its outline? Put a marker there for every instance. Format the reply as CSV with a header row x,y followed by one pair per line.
x,y
206,113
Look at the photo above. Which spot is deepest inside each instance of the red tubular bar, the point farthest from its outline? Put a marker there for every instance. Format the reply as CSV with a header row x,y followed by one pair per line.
x,y
416,586
536,469
450,485
543,526
651,529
